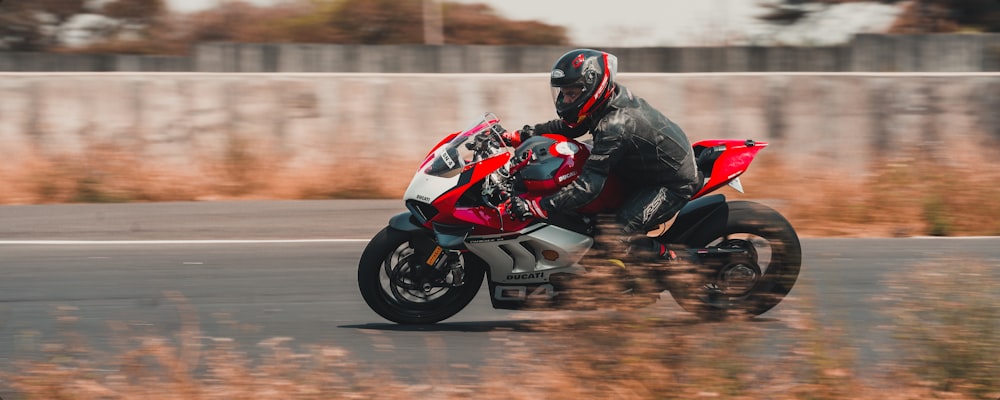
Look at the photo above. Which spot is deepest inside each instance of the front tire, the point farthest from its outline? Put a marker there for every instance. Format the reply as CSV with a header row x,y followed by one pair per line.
x,y
385,279
751,286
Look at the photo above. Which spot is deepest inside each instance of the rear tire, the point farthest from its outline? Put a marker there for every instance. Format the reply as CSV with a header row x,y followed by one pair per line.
x,y
750,288
385,286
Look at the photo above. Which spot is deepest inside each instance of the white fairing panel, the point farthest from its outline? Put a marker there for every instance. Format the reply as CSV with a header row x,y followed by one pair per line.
x,y
426,187
532,257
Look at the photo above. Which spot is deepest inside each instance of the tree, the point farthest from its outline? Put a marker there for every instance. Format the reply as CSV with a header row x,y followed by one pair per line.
x,y
479,24
356,22
379,21
146,26
919,16
133,26
400,22
35,25
135,14
236,21
42,25
949,16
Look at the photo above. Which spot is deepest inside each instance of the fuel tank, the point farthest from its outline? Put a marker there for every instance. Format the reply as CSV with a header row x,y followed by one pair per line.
x,y
557,161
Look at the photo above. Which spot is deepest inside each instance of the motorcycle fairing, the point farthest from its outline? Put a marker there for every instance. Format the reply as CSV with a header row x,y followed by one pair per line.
x,y
457,231
524,255
473,174
540,247
710,210
522,266
406,222
722,161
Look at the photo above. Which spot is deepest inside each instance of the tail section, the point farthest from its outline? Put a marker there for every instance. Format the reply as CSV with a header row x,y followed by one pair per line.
x,y
721,162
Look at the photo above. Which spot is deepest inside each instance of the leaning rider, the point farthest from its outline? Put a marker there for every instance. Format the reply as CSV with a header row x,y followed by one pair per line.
x,y
631,139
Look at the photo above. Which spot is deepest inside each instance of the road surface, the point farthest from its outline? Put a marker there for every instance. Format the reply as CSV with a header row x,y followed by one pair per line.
x,y
255,270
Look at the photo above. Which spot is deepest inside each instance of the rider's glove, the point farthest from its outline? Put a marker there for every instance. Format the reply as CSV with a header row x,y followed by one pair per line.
x,y
511,138
521,208
515,138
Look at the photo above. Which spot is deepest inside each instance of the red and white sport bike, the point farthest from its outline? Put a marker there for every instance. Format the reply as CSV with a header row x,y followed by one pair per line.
x,y
429,262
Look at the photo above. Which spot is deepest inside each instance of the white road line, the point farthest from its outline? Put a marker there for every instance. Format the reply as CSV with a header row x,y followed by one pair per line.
x,y
956,237
279,241
150,242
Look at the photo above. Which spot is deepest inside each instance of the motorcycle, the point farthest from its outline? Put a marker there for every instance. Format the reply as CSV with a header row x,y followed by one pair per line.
x,y
430,261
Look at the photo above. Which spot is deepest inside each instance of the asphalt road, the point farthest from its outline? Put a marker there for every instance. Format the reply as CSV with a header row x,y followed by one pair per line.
x,y
251,271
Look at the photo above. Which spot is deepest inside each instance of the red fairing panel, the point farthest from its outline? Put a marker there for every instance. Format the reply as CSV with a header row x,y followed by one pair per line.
x,y
733,161
479,170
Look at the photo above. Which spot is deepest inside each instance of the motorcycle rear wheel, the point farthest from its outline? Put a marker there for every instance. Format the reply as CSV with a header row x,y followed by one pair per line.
x,y
743,288
383,279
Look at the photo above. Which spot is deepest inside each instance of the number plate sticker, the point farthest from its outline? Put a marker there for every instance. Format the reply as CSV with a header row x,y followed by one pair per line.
x,y
435,256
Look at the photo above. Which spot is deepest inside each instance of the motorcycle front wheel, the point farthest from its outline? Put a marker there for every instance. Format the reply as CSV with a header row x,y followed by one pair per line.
x,y
393,286
749,285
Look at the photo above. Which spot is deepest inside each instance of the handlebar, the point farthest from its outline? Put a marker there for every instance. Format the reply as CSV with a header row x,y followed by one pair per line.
x,y
518,163
484,145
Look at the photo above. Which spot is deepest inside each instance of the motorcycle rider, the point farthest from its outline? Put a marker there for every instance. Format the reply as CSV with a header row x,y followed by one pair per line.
x,y
645,149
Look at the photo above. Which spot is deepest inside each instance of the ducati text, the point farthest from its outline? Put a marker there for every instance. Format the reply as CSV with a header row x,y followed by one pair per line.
x,y
530,275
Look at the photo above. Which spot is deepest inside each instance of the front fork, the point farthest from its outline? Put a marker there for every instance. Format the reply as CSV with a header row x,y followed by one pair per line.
x,y
444,268
436,261
433,266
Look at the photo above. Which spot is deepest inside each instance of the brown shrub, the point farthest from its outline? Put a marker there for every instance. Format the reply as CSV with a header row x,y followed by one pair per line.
x,y
903,196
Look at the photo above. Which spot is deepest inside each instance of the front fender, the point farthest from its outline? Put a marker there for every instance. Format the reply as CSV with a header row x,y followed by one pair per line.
x,y
449,237
405,222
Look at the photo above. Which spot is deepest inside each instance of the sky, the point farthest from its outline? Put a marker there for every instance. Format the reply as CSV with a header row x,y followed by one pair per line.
x,y
635,22
642,23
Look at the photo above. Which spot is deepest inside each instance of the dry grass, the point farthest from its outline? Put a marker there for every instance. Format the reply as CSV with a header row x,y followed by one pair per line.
x,y
947,318
109,173
947,312
908,195
945,326
904,196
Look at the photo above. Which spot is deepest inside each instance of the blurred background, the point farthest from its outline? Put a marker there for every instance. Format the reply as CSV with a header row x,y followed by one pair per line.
x,y
883,119
156,100
175,30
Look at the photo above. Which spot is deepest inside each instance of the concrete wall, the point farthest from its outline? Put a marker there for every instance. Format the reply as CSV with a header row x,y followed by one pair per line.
x,y
815,122
44,62
229,57
866,53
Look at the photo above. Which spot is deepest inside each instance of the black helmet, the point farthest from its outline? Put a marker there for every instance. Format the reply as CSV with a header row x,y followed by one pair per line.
x,y
593,73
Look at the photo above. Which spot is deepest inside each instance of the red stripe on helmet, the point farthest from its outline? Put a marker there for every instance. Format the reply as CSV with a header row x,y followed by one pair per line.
x,y
585,110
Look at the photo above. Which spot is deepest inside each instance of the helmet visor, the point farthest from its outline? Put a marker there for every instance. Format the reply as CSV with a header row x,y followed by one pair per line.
x,y
567,95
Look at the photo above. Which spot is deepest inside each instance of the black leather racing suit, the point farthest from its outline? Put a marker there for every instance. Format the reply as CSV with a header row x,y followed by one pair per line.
x,y
648,151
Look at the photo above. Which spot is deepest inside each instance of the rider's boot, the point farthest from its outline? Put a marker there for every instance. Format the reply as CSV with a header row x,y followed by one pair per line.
x,y
648,250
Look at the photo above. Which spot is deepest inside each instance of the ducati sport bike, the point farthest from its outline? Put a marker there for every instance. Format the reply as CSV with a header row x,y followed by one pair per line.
x,y
430,261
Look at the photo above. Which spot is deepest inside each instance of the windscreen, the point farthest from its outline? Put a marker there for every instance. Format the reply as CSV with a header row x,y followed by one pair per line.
x,y
480,141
